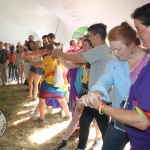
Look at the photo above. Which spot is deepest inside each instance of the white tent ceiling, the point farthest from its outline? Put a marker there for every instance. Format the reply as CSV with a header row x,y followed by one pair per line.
x,y
20,18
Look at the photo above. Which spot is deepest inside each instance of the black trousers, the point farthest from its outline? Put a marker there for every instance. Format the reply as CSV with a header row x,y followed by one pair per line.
x,y
87,117
12,70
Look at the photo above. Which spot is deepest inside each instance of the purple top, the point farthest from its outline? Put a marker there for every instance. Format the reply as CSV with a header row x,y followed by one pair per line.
x,y
140,92
134,74
73,74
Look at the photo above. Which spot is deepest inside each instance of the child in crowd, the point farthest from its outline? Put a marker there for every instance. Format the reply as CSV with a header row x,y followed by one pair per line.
x,y
11,65
20,63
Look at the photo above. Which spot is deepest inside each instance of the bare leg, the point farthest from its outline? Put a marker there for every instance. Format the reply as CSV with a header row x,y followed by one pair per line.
x,y
65,107
42,107
37,108
98,133
30,83
27,79
18,77
74,122
35,112
67,96
37,79
21,74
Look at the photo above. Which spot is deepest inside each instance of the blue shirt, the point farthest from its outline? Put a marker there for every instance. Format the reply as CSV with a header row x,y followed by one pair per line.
x,y
116,74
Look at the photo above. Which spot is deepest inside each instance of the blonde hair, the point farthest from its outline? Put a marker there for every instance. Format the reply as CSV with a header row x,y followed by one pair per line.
x,y
39,43
50,47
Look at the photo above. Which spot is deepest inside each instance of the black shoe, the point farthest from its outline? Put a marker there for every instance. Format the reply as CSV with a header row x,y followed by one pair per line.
x,y
61,145
39,120
26,90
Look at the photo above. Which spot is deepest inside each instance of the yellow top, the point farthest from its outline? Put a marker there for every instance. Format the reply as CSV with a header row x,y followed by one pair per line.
x,y
85,75
49,69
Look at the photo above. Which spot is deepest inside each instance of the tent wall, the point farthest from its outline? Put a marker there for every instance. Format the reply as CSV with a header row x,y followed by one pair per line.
x,y
20,18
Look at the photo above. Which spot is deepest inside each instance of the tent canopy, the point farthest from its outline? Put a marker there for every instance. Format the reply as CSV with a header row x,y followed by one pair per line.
x,y
20,18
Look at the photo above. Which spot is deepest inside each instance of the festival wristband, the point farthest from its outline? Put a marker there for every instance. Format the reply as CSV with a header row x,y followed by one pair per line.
x,y
100,108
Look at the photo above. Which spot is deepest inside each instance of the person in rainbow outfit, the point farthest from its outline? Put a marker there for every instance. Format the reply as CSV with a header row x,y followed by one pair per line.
x,y
47,89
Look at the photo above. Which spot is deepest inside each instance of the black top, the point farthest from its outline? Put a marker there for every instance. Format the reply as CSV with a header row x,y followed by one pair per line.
x,y
3,56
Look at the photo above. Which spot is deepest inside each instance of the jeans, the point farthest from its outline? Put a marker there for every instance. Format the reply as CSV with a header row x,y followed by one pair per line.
x,y
11,70
87,117
114,138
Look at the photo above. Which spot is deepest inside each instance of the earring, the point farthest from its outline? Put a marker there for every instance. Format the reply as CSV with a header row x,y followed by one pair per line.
x,y
132,51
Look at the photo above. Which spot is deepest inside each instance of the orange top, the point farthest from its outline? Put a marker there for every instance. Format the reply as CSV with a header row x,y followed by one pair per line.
x,y
11,59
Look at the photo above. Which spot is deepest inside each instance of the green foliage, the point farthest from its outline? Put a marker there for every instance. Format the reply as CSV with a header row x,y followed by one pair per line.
x,y
80,32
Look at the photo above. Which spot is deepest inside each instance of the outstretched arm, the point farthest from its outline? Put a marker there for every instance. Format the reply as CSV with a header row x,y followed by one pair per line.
x,y
67,65
19,44
129,117
36,54
36,64
77,58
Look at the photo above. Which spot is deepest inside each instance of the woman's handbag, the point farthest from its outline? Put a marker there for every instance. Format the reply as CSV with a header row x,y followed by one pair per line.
x,y
58,77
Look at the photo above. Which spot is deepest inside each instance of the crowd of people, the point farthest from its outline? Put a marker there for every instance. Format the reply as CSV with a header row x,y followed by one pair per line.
x,y
92,71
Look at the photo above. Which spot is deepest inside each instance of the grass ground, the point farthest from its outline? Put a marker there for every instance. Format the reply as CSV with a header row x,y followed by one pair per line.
x,y
24,134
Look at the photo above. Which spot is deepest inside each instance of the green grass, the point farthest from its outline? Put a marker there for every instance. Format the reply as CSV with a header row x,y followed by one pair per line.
x,y
13,103
11,97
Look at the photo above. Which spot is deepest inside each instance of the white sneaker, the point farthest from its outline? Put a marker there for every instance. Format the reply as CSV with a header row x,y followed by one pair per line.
x,y
6,83
96,144
34,114
63,114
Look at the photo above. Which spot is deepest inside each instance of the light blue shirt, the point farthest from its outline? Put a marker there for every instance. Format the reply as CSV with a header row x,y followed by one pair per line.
x,y
116,74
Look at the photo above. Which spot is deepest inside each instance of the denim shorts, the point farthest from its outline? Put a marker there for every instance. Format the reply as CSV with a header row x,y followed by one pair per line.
x,y
36,70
